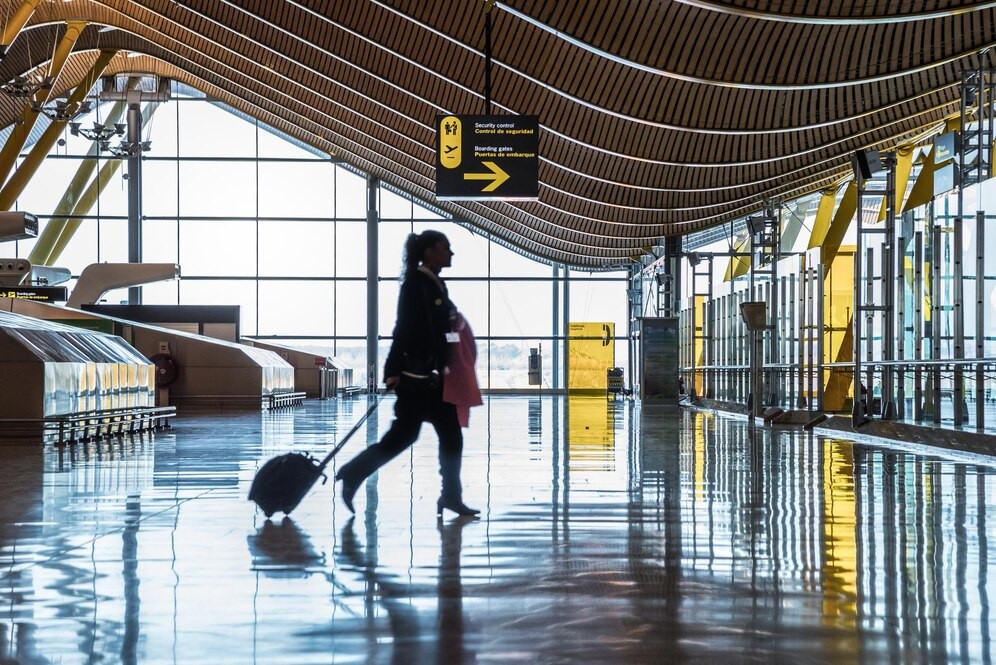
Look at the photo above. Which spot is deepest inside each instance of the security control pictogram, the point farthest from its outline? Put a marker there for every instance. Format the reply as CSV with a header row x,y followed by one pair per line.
x,y
487,157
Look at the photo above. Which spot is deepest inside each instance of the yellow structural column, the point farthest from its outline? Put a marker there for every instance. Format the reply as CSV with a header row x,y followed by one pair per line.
x,y
19,136
14,24
23,175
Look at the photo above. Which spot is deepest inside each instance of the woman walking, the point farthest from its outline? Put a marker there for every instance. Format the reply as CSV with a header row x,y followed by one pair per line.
x,y
427,325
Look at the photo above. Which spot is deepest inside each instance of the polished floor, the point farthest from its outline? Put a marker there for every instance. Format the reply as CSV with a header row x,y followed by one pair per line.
x,y
610,533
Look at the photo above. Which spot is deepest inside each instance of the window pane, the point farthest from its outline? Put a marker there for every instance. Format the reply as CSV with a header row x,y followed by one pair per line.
x,y
388,310
393,206
391,238
161,130
470,251
161,293
353,354
159,241
223,292
82,249
295,308
159,188
595,302
521,308
296,249
44,191
206,130
296,189
351,308
113,241
272,144
471,298
217,189
509,366
421,212
222,248
351,195
506,263
351,249
113,199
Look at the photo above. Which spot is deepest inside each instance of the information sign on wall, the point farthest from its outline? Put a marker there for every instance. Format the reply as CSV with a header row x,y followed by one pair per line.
x,y
487,157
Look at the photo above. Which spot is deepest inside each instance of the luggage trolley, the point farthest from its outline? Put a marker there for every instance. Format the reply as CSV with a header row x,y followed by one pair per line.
x,y
614,381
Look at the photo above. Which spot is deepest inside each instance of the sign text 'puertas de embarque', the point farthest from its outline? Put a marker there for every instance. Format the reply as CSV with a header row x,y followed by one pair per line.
x,y
487,157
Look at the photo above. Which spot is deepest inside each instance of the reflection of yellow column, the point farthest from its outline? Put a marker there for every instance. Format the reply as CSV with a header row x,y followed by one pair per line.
x,y
591,433
698,458
840,554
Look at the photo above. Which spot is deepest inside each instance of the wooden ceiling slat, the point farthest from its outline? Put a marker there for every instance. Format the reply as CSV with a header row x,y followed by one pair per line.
x,y
346,74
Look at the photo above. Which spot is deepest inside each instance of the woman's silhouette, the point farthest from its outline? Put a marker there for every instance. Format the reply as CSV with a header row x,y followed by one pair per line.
x,y
427,323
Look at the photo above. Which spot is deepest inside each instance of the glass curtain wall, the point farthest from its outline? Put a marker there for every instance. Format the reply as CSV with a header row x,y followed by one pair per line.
x,y
811,306
257,220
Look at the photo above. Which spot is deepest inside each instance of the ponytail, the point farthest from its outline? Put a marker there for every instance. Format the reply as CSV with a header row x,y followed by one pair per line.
x,y
412,252
415,246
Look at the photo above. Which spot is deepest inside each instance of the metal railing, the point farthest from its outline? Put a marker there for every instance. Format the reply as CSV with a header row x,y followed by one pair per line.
x,y
283,400
924,388
88,426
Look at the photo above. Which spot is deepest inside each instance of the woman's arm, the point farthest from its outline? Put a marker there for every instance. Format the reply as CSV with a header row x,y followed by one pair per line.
x,y
408,303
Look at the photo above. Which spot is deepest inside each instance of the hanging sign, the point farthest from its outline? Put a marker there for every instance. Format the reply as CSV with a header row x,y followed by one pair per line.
x,y
39,293
487,157
945,147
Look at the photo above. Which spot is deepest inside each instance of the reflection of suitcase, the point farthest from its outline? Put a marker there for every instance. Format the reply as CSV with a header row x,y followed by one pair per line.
x,y
614,380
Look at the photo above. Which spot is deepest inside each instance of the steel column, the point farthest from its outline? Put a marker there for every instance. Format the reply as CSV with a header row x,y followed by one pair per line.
x,y
135,195
566,324
555,324
869,323
918,326
819,305
980,315
373,273
935,323
858,412
890,249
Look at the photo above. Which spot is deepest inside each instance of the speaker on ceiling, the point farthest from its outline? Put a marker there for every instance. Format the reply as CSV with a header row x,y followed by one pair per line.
x,y
866,163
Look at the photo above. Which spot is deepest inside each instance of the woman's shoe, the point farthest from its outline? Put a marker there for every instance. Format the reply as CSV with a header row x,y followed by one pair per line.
x,y
349,488
458,507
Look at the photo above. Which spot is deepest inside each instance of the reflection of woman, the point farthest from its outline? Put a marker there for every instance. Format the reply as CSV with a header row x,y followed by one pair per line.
x,y
414,369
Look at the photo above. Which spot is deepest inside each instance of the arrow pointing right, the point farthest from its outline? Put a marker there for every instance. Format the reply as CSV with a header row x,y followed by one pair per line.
x,y
497,176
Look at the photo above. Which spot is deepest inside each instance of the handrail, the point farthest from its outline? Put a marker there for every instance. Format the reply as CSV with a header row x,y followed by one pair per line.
x,y
940,362
846,365
100,419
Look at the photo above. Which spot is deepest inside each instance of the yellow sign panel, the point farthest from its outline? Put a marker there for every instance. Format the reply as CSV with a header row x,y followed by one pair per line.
x,y
591,352
450,142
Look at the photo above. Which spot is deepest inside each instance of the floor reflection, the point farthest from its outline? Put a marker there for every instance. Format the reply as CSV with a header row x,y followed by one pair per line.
x,y
612,533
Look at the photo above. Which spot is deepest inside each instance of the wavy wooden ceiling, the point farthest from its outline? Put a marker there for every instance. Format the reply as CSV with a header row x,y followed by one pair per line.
x,y
658,118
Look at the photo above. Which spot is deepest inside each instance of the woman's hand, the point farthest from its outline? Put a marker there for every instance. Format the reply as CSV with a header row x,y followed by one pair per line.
x,y
390,382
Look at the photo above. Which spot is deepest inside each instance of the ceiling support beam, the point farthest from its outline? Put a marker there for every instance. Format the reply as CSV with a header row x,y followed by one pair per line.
x,y
14,24
19,136
30,165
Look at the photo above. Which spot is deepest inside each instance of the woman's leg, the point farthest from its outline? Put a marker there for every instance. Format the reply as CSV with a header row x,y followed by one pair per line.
x,y
408,416
444,419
